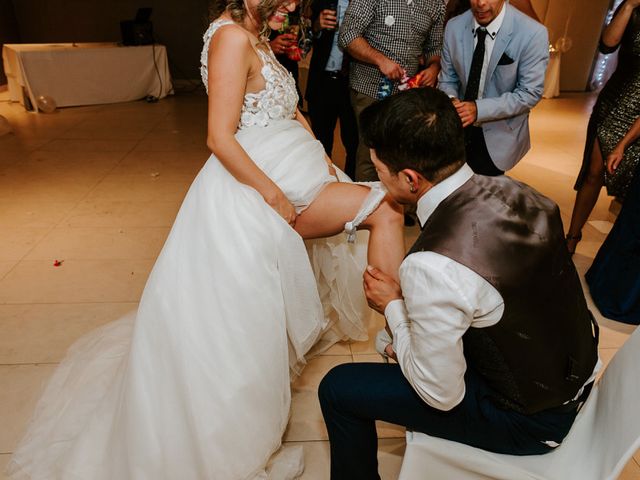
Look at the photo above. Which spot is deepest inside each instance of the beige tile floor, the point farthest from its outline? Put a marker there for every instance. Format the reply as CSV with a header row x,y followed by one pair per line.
x,y
99,187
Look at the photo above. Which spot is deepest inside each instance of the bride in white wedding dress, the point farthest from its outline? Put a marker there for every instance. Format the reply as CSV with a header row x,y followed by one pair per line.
x,y
196,384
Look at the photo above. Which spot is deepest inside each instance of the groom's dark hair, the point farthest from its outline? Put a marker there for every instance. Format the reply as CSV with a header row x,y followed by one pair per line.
x,y
418,129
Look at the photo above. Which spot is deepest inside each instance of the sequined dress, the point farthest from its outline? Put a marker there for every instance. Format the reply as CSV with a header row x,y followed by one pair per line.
x,y
616,109
195,385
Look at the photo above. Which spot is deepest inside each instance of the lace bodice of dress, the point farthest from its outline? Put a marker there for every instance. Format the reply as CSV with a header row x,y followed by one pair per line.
x,y
278,100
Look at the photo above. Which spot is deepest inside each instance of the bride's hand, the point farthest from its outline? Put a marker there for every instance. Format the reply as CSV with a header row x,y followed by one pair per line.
x,y
281,204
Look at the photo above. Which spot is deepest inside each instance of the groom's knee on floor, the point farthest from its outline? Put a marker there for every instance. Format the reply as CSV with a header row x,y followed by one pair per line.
x,y
349,380
344,387
332,384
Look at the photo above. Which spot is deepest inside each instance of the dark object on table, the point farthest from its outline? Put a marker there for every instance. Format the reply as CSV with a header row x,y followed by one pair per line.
x,y
138,31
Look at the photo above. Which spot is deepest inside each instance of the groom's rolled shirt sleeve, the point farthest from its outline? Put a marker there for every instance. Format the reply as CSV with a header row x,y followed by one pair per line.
x,y
441,301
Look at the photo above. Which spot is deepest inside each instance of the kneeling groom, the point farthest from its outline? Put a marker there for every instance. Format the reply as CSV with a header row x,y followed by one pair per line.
x,y
494,342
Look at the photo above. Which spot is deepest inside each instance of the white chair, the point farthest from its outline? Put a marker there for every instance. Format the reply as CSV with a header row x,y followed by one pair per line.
x,y
603,438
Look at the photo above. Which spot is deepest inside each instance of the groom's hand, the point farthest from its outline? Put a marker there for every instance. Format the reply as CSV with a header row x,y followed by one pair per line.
x,y
380,289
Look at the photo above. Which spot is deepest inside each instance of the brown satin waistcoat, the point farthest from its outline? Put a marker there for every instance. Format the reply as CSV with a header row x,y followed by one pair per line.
x,y
543,349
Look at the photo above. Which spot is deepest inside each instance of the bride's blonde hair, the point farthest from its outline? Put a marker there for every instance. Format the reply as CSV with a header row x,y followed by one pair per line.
x,y
238,11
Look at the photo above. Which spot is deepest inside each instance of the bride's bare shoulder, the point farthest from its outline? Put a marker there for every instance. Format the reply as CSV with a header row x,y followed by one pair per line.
x,y
230,37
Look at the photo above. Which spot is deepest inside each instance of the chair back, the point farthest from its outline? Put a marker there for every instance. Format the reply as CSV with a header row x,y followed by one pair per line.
x,y
602,440
606,432
616,430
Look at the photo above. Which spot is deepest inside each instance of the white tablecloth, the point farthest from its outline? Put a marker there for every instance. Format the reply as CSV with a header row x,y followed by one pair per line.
x,y
552,76
85,73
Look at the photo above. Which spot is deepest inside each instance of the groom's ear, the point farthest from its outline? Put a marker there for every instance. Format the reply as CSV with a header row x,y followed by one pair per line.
x,y
411,176
415,181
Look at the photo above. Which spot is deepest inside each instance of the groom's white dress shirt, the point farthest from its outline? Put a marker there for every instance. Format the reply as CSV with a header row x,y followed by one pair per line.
x,y
444,299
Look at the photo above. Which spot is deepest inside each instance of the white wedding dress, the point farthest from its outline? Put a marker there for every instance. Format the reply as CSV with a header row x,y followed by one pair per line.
x,y
195,385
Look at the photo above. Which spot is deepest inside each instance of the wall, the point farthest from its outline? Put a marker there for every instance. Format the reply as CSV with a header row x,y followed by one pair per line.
x,y
540,6
586,19
177,24
585,22
8,30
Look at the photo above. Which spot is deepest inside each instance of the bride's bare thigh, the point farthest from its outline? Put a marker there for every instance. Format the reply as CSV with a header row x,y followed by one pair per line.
x,y
337,204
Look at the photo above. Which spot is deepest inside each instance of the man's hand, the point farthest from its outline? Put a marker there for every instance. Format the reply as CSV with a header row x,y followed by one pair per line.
x,y
280,44
467,111
391,69
380,289
390,352
429,76
327,20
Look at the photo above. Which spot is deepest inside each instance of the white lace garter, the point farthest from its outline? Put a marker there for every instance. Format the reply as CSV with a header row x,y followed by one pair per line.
x,y
376,194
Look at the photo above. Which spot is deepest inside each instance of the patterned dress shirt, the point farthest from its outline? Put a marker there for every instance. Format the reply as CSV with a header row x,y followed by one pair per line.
x,y
402,30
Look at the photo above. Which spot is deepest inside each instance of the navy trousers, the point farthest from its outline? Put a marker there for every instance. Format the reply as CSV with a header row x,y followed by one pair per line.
x,y
353,396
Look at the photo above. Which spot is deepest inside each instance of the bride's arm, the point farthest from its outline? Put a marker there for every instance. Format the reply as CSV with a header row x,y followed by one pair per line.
x,y
303,121
230,56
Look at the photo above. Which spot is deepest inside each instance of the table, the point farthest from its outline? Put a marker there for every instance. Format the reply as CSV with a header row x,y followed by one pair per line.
x,y
85,73
552,76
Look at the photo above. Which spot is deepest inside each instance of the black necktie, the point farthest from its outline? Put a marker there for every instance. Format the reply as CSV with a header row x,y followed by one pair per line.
x,y
473,84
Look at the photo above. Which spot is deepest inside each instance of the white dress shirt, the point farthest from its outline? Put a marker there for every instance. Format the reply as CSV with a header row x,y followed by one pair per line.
x,y
442,300
492,31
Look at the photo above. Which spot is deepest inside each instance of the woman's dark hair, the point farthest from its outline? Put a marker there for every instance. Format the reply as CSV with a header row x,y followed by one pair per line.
x,y
417,129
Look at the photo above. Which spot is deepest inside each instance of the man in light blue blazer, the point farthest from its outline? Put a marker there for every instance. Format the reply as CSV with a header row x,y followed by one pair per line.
x,y
493,65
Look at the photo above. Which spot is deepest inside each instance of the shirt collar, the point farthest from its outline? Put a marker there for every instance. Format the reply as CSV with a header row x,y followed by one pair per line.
x,y
428,202
494,26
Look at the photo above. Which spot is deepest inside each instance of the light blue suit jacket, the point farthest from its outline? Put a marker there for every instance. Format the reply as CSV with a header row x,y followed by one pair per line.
x,y
511,90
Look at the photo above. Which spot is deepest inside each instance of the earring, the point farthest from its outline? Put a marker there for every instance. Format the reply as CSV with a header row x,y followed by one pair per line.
x,y
412,189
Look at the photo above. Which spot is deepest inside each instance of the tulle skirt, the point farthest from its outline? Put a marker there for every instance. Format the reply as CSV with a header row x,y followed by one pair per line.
x,y
195,384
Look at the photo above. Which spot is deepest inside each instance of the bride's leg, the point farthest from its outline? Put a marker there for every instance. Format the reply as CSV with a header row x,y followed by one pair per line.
x,y
339,203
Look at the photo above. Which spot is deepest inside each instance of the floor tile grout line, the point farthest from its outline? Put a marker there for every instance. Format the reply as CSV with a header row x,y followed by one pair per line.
x,y
305,441
3,276
118,302
25,364
399,437
86,259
